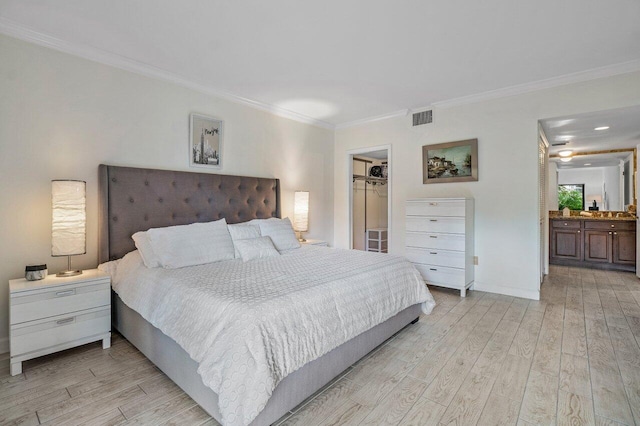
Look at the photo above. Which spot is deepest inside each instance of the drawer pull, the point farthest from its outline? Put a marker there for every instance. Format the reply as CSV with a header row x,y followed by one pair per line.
x,y
433,220
613,226
565,224
433,236
65,321
433,252
615,233
432,269
610,232
66,293
433,204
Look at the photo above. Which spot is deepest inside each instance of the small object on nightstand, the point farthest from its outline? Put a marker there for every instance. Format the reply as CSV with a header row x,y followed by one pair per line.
x,y
58,313
35,272
311,242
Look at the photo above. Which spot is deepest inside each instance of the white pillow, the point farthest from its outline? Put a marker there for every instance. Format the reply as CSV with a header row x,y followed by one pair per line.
x,y
143,245
195,244
256,248
281,233
243,231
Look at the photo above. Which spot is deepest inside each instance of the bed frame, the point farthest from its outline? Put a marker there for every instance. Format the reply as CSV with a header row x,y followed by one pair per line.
x,y
133,199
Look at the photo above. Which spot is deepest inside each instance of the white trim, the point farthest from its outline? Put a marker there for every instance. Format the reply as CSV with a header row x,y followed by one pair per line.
x,y
573,78
20,31
367,120
507,291
578,77
350,154
4,345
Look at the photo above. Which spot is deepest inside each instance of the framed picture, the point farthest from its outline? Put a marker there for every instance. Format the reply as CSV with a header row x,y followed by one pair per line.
x,y
450,162
205,141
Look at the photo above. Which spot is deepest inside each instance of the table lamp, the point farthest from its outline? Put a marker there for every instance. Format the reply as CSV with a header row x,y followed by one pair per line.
x,y
69,221
301,213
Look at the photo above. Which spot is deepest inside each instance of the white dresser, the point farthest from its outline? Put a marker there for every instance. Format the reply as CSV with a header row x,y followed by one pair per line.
x,y
439,240
57,313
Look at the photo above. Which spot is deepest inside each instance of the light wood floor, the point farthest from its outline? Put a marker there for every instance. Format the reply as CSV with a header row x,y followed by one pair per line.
x,y
571,358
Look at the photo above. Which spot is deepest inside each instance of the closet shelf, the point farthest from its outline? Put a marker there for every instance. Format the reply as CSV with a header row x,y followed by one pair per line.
x,y
370,179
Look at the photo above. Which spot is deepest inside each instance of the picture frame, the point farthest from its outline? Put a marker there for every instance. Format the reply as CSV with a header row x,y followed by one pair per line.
x,y
450,162
206,135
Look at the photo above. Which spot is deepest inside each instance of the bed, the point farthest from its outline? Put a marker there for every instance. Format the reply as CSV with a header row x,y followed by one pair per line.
x,y
133,199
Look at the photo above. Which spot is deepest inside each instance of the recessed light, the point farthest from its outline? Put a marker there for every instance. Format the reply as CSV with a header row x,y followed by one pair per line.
x,y
565,159
566,153
602,128
587,164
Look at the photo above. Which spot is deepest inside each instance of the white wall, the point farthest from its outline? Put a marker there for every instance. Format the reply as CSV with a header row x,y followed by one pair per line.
x,y
61,116
506,195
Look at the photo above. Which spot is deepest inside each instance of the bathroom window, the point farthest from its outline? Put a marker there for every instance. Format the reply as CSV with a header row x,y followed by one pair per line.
x,y
572,196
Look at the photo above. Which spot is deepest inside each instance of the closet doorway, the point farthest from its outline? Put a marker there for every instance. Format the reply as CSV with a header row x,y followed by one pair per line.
x,y
369,198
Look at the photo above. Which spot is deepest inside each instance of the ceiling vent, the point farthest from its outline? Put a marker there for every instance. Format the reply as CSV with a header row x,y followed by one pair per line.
x,y
559,143
424,117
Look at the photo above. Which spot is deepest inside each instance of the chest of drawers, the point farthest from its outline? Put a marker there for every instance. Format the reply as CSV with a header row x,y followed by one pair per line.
x,y
58,313
439,241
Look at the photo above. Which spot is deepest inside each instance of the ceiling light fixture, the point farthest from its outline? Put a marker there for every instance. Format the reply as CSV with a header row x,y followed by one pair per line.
x,y
566,153
602,128
587,164
565,159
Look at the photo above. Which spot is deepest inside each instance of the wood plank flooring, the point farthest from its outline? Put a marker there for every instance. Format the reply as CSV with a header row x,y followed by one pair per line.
x,y
572,358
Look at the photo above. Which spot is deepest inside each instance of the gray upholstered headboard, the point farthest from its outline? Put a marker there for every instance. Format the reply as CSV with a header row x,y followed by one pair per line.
x,y
133,199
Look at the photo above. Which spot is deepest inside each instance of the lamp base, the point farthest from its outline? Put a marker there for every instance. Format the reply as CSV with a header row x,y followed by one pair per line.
x,y
301,238
69,273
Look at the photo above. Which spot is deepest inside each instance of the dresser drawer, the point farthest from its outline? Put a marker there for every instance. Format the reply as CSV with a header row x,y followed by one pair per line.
x,y
440,275
452,259
450,225
436,208
42,334
33,305
435,241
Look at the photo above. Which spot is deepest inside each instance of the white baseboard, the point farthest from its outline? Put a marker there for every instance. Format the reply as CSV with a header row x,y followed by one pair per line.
x,y
4,345
507,291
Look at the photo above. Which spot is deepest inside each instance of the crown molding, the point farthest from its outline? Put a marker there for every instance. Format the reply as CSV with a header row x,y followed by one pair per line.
x,y
367,120
22,32
578,77
549,83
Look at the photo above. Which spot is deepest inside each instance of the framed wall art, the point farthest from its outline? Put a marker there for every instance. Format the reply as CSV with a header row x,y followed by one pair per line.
x,y
450,162
205,141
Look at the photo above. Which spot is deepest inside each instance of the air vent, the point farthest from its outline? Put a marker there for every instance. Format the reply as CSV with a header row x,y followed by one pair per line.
x,y
424,117
559,143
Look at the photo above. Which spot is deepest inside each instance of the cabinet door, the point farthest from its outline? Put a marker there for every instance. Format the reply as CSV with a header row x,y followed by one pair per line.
x,y
624,247
566,244
597,246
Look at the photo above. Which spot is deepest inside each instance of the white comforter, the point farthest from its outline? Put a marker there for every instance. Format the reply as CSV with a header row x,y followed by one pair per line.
x,y
249,325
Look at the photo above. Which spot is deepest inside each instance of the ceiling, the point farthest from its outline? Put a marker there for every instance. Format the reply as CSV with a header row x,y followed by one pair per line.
x,y
580,134
336,62
594,160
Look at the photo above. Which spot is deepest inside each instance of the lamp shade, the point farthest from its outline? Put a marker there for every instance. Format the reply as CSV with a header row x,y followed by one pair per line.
x,y
301,211
69,217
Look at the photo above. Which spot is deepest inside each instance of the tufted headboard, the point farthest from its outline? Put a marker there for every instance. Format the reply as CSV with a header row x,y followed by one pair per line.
x,y
133,199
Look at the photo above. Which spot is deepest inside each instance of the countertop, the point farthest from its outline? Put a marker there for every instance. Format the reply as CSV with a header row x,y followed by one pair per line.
x,y
624,219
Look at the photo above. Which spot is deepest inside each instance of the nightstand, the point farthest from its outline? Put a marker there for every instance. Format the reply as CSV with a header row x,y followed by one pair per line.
x,y
315,243
58,313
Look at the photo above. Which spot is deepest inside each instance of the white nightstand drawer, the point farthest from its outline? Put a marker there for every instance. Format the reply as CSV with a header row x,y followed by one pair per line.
x,y
436,241
38,304
452,259
436,208
38,335
440,275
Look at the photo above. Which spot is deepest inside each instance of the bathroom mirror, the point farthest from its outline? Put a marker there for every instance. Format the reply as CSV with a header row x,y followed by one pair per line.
x,y
601,180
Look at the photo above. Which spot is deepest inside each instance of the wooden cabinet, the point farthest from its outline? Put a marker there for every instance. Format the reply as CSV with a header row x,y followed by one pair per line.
x,y
566,240
439,241
596,243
